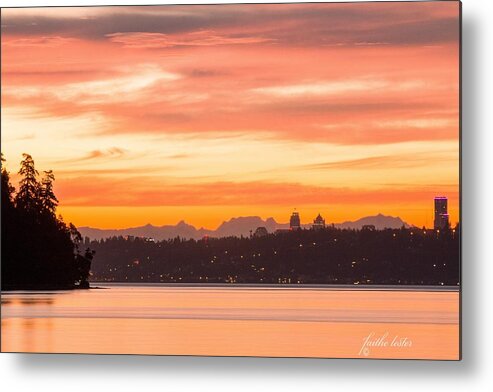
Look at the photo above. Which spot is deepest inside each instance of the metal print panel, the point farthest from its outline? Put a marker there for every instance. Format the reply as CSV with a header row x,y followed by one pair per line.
x,y
274,180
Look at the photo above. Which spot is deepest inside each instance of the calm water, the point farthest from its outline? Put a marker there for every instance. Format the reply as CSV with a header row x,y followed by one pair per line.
x,y
251,321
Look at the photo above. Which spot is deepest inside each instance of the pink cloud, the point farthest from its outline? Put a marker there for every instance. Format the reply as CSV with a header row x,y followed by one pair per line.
x,y
46,41
142,40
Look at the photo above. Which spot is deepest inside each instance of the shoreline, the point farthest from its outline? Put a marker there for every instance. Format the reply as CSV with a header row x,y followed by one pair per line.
x,y
239,286
43,288
267,286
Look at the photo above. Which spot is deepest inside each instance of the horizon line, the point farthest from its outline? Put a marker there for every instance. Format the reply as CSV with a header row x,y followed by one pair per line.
x,y
183,221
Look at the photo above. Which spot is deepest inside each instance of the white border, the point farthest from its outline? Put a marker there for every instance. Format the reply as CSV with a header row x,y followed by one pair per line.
x,y
133,373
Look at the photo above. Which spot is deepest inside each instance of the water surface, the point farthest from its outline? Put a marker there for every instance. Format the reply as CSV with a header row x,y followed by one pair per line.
x,y
245,321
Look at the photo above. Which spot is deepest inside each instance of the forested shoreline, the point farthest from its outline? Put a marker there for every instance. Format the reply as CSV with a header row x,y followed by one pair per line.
x,y
406,256
39,250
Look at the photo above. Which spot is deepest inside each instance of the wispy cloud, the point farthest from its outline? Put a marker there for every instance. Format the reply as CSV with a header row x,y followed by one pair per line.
x,y
124,86
382,162
423,123
144,40
113,152
47,41
341,87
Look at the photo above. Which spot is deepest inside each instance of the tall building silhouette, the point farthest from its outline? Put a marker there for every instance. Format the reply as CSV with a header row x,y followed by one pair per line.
x,y
294,222
441,213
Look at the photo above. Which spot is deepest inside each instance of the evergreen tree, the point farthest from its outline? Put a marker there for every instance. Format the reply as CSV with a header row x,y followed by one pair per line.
x,y
76,237
49,201
7,189
28,197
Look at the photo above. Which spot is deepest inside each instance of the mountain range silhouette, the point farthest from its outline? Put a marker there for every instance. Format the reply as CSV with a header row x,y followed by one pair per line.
x,y
240,226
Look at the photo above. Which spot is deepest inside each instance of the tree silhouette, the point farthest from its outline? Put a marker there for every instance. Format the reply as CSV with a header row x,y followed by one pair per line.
x,y
39,251
49,201
7,189
29,188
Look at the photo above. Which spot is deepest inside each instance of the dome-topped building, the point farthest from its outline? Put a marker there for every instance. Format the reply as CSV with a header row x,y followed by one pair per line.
x,y
261,232
318,222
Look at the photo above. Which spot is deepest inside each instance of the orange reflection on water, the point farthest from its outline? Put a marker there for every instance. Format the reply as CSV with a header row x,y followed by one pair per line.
x,y
233,321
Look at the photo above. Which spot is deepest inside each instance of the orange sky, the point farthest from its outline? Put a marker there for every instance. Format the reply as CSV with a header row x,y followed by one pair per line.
x,y
203,113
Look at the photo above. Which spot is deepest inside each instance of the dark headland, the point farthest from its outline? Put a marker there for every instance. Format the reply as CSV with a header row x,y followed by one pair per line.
x,y
39,250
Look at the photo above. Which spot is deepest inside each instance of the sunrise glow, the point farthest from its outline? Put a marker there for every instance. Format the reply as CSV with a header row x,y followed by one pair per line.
x,y
203,113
